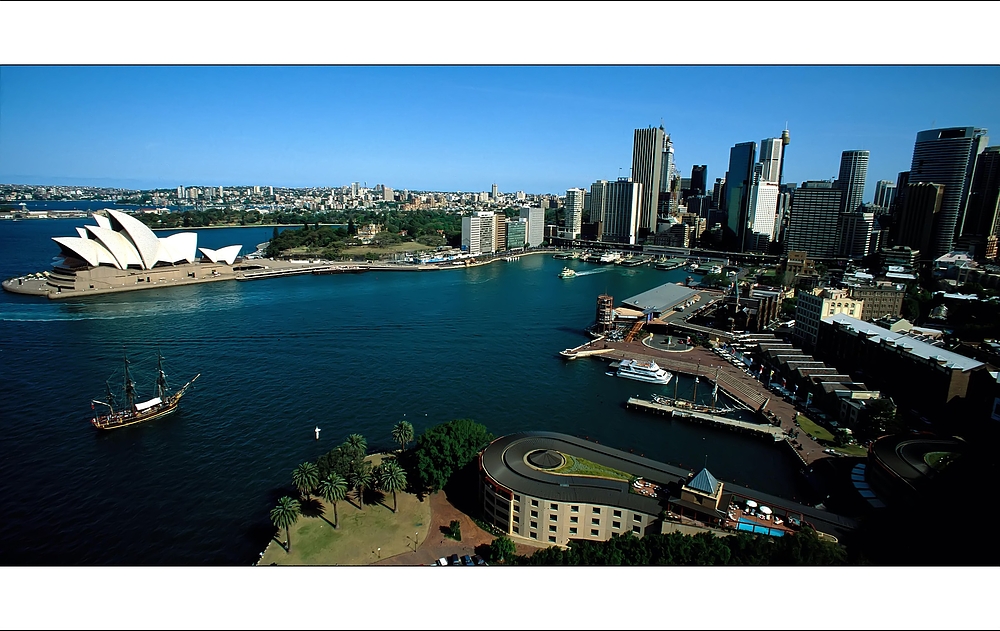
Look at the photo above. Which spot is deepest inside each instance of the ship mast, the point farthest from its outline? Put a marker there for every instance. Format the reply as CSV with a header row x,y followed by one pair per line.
x,y
129,386
110,398
161,379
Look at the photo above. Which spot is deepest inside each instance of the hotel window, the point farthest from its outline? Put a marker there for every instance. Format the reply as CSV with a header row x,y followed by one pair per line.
x,y
553,507
637,518
534,502
517,530
595,533
552,528
534,524
517,507
517,498
595,521
553,517
597,511
552,539
574,519
618,513
616,524
517,519
534,535
572,531
534,513
636,529
574,509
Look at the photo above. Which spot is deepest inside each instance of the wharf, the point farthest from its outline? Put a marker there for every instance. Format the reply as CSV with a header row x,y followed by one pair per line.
x,y
775,433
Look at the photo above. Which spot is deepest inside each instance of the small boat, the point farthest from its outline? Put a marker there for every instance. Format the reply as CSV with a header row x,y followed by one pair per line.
x,y
567,273
132,413
648,371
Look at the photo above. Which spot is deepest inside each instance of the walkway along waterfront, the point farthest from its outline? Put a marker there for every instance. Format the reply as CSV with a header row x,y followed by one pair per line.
x,y
768,431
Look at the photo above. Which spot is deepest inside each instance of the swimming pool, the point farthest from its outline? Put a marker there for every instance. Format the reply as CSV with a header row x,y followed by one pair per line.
x,y
753,526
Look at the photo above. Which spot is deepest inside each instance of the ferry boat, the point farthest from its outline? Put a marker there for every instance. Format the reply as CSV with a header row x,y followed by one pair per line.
x,y
567,273
648,371
610,257
133,413
716,269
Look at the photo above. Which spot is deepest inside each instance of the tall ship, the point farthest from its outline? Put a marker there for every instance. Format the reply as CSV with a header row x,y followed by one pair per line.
x,y
648,371
132,413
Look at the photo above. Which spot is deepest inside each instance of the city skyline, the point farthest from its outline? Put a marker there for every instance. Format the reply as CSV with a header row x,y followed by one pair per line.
x,y
458,128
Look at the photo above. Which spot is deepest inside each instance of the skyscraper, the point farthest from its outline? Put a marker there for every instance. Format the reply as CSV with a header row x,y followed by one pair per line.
x,y
536,225
739,179
494,194
853,172
770,158
574,212
622,211
947,156
982,216
885,193
917,216
648,151
814,219
598,200
699,179
763,210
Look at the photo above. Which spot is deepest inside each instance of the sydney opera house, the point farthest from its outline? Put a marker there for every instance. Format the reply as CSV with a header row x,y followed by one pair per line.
x,y
119,254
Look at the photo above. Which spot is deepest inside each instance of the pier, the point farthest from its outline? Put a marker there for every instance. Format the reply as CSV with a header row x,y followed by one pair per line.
x,y
768,431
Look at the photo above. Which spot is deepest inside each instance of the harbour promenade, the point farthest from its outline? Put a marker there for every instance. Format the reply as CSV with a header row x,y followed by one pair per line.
x,y
705,364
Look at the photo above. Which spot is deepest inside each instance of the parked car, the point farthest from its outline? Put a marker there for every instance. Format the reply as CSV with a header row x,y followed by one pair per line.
x,y
442,561
478,560
454,560
467,560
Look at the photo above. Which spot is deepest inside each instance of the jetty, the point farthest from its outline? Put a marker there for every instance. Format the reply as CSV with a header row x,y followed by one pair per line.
x,y
663,409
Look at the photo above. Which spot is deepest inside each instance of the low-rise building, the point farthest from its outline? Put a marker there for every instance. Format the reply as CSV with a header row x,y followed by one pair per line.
x,y
812,306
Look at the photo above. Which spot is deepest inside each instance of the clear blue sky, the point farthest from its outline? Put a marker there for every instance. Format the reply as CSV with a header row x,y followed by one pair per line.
x,y
541,129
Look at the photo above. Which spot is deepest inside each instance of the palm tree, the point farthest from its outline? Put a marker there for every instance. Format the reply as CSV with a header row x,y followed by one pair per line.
x,y
305,478
358,444
333,488
284,515
402,433
359,480
391,477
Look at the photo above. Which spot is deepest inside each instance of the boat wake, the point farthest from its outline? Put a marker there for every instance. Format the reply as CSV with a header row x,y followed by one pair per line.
x,y
593,271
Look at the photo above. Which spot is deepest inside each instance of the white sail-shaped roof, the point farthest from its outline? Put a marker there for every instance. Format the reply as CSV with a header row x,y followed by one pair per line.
x,y
227,254
142,237
82,232
87,250
182,246
102,221
119,246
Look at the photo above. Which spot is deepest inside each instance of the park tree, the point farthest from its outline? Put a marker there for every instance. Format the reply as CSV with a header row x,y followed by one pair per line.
x,y
402,433
444,449
501,549
333,488
390,477
359,480
305,477
284,515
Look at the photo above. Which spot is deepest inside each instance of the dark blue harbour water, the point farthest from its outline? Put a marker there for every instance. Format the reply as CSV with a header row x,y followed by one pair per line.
x,y
346,353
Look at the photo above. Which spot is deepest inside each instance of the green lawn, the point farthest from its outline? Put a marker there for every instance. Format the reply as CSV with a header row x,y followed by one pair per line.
x,y
396,248
581,466
360,535
852,450
818,432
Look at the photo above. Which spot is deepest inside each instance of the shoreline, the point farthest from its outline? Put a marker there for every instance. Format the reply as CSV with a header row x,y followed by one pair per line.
x,y
120,281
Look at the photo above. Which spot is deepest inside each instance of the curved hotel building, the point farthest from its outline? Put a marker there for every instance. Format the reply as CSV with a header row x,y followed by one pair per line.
x,y
551,488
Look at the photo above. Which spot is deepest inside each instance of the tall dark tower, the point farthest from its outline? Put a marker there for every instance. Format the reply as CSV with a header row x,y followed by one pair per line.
x,y
739,179
853,173
786,139
699,179
647,169
982,216
947,156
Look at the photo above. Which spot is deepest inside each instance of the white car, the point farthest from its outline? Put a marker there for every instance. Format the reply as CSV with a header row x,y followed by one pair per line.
x,y
442,561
